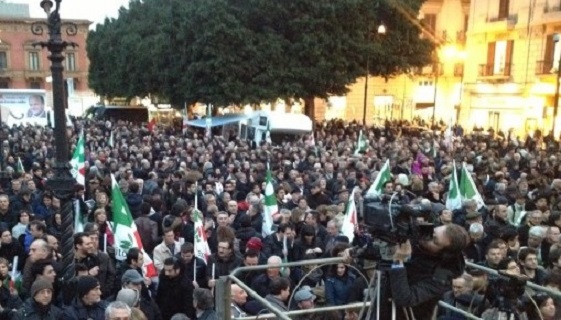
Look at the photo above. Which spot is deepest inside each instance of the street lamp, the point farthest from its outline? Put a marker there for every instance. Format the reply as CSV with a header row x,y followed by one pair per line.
x,y
381,30
446,53
62,183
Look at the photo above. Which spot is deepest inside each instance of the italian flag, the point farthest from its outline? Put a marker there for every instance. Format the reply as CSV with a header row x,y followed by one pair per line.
x,y
350,221
20,168
376,189
268,133
361,144
125,232
454,200
271,207
202,249
468,189
78,163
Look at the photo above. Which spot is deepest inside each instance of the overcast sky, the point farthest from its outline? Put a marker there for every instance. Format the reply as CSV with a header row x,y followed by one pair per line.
x,y
93,10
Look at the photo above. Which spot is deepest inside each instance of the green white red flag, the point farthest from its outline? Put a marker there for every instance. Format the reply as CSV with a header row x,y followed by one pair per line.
x,y
350,221
20,168
125,232
376,189
202,250
78,162
271,208
454,199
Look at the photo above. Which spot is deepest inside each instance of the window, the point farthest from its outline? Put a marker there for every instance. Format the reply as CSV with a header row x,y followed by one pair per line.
x,y
503,9
4,84
70,61
499,57
34,61
429,21
35,85
3,60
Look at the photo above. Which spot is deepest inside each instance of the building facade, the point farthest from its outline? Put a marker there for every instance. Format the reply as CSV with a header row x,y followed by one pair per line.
x,y
435,89
26,66
510,82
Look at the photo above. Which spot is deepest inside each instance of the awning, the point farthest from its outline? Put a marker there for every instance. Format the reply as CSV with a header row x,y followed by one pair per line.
x,y
218,121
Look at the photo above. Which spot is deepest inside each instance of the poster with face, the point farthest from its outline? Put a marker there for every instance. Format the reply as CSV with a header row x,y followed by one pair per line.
x,y
25,107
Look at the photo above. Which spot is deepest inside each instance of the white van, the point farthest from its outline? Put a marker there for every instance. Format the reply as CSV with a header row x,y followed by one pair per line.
x,y
253,126
281,126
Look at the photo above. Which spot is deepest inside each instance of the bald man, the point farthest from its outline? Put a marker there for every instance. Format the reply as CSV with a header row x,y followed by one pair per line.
x,y
239,298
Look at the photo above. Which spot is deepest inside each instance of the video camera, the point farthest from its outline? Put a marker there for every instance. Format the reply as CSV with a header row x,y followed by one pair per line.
x,y
511,286
397,223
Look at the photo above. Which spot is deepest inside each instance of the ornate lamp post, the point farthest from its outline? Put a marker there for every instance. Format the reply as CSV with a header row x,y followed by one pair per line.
x,y
62,183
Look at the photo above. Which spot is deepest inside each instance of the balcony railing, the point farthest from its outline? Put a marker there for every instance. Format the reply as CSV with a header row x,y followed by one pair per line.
x,y
512,18
553,8
429,70
544,67
458,70
489,70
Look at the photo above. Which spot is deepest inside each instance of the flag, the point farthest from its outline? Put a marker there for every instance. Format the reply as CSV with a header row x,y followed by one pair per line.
x,y
20,168
468,189
350,221
361,144
125,232
271,207
78,162
454,200
268,133
111,141
376,189
151,123
208,120
202,249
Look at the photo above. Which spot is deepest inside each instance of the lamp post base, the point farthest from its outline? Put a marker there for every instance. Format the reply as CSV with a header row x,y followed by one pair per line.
x,y
62,185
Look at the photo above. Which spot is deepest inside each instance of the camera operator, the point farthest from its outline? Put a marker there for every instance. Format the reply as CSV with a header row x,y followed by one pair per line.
x,y
420,273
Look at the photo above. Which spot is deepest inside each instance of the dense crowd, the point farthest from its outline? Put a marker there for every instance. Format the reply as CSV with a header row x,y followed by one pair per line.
x,y
162,173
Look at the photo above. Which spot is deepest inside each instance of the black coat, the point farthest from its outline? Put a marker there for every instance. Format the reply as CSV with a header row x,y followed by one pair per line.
x,y
29,312
421,284
78,311
175,295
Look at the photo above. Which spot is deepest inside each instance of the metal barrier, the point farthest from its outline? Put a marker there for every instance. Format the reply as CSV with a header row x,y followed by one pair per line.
x,y
457,310
356,305
223,296
531,285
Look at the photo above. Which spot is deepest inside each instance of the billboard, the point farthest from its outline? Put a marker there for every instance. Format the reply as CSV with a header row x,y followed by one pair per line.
x,y
21,107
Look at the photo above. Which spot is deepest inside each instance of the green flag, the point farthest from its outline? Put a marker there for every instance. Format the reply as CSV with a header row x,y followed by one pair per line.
x,y
377,188
454,200
271,206
361,145
20,168
468,189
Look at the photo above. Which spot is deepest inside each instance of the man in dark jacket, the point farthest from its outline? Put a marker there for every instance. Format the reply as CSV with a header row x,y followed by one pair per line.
x,y
416,286
190,261
88,304
134,199
175,295
223,262
39,306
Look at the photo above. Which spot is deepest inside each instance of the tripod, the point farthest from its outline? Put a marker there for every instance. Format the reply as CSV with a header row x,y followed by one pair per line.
x,y
508,309
381,272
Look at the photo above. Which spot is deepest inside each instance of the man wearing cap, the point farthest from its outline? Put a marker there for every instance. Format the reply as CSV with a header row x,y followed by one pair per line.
x,y
88,304
132,279
304,300
39,306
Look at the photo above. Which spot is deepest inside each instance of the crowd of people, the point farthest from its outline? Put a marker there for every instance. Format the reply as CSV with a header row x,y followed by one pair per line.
x,y
164,171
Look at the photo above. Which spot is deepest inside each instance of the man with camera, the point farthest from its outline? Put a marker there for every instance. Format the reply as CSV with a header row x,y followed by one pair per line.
x,y
422,270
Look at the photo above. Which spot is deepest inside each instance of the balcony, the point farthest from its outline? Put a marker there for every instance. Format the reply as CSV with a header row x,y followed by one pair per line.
x,y
544,67
552,8
551,14
429,70
488,71
458,70
501,23
461,37
36,74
